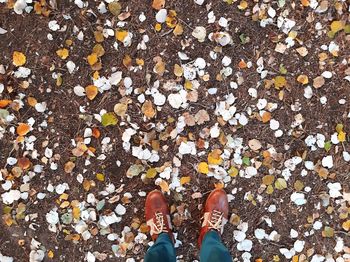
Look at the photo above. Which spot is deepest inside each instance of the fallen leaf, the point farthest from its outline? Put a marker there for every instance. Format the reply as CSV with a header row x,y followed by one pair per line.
x,y
23,129
98,50
254,144
92,59
151,173
91,91
280,183
127,61
214,157
280,81
233,171
100,177
203,168
178,70
164,186
68,167
121,35
178,30
318,82
158,4
303,79
4,103
266,117
120,109
24,163
109,119
63,53
185,180
268,180
18,58
115,8
337,26
147,109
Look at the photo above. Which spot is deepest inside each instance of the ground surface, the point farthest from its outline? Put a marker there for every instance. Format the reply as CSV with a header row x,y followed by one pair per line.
x,y
100,103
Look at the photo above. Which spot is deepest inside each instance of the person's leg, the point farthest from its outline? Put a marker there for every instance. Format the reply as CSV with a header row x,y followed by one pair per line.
x,y
162,250
158,220
214,219
213,250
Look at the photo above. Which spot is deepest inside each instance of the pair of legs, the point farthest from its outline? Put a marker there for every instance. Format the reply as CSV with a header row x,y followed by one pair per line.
x,y
211,247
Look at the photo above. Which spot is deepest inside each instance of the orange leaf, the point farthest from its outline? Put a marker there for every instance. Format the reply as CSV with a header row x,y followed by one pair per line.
x,y
127,62
266,117
23,129
219,185
24,163
4,103
96,133
147,109
158,4
242,64
91,91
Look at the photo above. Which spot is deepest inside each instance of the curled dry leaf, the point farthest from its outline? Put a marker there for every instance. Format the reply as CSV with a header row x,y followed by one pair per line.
x,y
159,68
303,79
80,149
178,30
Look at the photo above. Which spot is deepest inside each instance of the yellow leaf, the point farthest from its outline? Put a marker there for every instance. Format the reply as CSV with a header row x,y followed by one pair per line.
x,y
127,62
121,35
158,27
76,212
92,59
233,171
140,61
151,173
219,185
50,254
339,128
164,186
91,91
100,177
280,81
188,85
280,184
178,30
336,26
18,58
99,36
63,53
342,136
346,225
185,180
303,79
98,50
214,157
243,5
203,168
178,70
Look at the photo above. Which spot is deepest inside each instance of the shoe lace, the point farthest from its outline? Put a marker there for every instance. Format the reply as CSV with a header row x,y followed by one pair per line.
x,y
215,221
159,225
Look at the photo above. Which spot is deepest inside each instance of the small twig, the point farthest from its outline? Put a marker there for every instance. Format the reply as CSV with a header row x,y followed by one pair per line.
x,y
166,33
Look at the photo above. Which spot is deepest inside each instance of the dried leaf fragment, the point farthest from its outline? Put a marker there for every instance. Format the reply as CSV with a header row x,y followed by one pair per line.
x,y
158,4
91,91
23,129
63,53
18,58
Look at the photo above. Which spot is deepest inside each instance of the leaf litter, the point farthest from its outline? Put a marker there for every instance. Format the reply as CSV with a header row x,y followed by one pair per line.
x,y
106,101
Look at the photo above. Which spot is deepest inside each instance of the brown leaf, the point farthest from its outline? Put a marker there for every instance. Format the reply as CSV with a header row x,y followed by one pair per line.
x,y
91,91
69,166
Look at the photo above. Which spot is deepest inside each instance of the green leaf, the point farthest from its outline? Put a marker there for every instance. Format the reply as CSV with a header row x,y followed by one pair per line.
x,y
4,113
246,161
244,39
283,70
347,29
109,119
327,146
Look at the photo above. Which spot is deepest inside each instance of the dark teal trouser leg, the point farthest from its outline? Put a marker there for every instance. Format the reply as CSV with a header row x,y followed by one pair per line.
x,y
213,250
162,250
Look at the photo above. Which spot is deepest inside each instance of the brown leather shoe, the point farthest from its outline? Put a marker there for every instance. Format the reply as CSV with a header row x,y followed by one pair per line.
x,y
157,214
215,213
